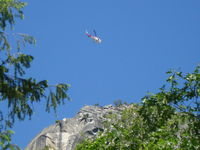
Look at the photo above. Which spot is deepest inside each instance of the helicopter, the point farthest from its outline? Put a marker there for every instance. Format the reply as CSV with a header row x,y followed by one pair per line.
x,y
93,37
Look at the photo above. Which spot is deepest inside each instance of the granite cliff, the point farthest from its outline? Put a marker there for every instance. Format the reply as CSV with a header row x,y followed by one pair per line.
x,y
66,133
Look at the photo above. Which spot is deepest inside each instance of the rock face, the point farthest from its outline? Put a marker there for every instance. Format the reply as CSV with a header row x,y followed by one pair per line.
x,y
66,133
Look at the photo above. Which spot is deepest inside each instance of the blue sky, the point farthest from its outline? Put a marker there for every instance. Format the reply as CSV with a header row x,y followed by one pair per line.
x,y
141,40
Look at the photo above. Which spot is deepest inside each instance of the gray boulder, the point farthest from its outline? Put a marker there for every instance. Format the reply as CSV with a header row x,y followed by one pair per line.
x,y
66,133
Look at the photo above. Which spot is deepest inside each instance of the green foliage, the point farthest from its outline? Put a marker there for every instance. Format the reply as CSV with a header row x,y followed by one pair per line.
x,y
20,92
16,90
118,102
5,141
57,97
9,10
97,104
168,120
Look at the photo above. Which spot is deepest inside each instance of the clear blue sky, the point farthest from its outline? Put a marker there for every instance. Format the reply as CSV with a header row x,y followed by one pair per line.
x,y
141,41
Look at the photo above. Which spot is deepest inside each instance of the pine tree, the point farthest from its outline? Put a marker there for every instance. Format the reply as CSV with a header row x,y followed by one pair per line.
x,y
18,92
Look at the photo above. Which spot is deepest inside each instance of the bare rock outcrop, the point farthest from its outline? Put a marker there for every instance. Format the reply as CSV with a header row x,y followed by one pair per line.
x,y
66,133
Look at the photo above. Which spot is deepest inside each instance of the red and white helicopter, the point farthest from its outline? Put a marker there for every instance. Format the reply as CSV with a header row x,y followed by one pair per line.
x,y
93,37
